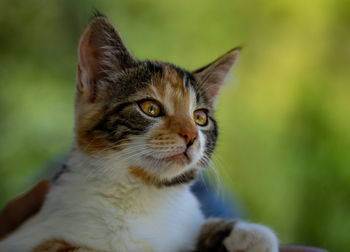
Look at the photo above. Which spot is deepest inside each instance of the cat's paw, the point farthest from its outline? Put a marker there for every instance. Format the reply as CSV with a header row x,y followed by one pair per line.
x,y
249,237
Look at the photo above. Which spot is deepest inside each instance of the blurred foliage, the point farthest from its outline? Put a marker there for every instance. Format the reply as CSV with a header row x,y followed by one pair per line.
x,y
284,118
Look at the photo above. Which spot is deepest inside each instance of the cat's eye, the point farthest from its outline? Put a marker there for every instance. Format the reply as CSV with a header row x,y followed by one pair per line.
x,y
200,117
151,108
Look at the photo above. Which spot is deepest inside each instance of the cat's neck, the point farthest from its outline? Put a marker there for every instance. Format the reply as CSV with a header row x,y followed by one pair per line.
x,y
110,178
97,169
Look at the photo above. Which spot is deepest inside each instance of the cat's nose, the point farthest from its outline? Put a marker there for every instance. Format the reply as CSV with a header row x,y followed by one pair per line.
x,y
189,137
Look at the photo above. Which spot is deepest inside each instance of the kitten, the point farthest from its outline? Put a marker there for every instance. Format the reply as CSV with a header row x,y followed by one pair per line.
x,y
143,130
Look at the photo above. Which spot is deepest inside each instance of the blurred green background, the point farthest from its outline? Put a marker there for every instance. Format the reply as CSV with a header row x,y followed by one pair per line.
x,y
284,116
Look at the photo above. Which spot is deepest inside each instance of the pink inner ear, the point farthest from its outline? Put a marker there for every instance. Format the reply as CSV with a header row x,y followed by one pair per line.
x,y
83,67
87,61
101,51
212,90
90,61
216,78
213,75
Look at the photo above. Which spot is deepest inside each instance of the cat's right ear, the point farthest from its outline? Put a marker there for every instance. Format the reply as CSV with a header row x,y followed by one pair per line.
x,y
101,52
212,76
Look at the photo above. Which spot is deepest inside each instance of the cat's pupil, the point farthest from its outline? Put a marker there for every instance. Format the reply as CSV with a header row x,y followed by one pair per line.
x,y
152,109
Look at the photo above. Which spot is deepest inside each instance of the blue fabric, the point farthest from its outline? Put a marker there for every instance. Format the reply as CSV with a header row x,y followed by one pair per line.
x,y
215,204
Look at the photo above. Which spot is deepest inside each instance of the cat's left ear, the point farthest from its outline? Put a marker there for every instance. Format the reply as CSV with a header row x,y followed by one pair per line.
x,y
101,52
212,76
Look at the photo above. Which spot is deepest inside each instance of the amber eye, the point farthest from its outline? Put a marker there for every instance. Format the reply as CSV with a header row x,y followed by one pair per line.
x,y
200,117
150,107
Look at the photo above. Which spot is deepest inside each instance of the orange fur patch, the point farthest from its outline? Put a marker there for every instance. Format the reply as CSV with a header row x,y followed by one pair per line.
x,y
140,173
90,141
171,91
15,214
170,81
86,117
56,245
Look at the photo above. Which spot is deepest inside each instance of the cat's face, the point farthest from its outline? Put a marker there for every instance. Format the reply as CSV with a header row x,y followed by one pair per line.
x,y
157,117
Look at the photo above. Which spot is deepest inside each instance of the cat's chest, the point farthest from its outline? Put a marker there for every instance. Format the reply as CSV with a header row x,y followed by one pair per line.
x,y
162,224
143,221
136,221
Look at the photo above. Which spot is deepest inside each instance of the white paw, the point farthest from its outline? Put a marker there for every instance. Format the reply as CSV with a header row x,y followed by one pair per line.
x,y
249,237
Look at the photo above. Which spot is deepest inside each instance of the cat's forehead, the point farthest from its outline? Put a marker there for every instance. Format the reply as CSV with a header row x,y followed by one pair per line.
x,y
172,86
173,89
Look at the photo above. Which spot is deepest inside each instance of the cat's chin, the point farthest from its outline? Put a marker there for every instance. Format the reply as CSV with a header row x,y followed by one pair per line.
x,y
181,159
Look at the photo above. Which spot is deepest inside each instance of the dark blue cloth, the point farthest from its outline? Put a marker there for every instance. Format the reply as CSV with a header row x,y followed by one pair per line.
x,y
215,204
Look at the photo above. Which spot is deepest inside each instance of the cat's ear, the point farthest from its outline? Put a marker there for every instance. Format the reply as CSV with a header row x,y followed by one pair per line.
x,y
212,76
101,52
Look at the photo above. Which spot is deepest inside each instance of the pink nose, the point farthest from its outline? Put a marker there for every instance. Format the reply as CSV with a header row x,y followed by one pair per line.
x,y
189,137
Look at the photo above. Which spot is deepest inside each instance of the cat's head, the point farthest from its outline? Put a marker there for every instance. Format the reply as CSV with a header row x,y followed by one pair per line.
x,y
154,116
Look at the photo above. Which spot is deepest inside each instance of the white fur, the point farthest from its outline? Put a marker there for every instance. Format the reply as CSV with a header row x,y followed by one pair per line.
x,y
111,213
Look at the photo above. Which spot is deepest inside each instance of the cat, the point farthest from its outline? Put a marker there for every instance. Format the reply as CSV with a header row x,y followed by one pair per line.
x,y
143,131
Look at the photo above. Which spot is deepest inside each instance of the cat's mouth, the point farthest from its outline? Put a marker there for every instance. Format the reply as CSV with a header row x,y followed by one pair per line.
x,y
181,158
